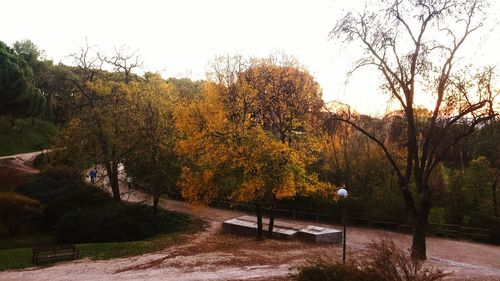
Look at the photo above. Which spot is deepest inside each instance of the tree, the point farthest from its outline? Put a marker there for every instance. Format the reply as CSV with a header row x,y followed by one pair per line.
x,y
152,159
18,95
285,102
415,44
232,149
485,143
97,131
124,61
46,77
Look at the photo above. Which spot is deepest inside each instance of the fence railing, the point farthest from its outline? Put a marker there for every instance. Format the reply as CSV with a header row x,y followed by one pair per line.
x,y
367,219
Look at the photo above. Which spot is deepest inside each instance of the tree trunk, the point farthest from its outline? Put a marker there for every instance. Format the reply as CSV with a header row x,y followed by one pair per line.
x,y
418,248
112,170
258,212
411,212
156,198
270,231
494,197
22,127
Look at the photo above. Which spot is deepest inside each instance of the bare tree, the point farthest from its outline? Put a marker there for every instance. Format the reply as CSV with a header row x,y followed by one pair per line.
x,y
124,61
414,45
88,67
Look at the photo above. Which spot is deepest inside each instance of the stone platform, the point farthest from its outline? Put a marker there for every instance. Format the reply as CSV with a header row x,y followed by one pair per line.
x,y
247,225
320,234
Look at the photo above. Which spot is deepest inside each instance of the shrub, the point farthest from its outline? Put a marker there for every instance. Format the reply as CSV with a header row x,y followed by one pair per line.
x,y
10,178
70,199
116,222
80,213
383,261
44,186
16,209
325,271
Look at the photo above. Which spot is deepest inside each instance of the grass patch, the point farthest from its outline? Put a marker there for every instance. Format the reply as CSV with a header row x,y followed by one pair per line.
x,y
27,238
24,136
21,257
15,258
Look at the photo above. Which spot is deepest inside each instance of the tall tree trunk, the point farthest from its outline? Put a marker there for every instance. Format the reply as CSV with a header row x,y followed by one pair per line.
x,y
418,248
270,231
411,212
258,213
494,197
112,171
156,198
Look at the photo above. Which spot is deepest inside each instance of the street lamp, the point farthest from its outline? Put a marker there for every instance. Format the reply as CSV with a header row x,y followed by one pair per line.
x,y
343,194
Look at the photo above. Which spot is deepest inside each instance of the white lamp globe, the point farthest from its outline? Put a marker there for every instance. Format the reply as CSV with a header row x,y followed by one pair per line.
x,y
342,193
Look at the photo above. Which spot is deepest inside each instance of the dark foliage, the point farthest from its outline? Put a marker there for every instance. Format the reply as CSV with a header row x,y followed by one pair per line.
x,y
80,213
116,222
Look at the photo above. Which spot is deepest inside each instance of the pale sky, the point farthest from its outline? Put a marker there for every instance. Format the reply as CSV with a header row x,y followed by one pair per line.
x,y
178,38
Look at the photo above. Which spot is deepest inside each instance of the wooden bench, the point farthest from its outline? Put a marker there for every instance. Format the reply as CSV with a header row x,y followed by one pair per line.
x,y
54,252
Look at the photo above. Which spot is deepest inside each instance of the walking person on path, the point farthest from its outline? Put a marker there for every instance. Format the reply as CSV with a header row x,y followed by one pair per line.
x,y
93,175
129,182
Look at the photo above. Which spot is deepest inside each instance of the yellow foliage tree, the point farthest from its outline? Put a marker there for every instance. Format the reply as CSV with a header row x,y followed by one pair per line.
x,y
238,142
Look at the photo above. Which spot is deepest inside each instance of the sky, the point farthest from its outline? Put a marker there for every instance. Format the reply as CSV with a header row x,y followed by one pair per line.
x,y
178,38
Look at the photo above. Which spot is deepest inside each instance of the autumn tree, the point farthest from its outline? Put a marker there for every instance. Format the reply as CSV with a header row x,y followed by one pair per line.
x,y
415,47
98,128
232,142
98,134
286,103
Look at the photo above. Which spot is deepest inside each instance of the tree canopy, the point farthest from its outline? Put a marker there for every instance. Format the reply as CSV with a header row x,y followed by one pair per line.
x,y
18,95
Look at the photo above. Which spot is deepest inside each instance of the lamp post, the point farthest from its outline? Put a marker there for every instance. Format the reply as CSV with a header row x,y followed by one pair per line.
x,y
343,194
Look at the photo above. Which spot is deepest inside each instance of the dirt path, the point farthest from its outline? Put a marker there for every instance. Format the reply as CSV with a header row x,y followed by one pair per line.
x,y
212,255
21,162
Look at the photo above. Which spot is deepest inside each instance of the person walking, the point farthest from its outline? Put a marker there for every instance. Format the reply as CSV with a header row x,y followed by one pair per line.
x,y
129,182
92,175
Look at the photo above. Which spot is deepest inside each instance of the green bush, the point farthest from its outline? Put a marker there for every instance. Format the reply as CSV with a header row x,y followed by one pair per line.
x,y
44,186
16,209
70,199
116,222
79,212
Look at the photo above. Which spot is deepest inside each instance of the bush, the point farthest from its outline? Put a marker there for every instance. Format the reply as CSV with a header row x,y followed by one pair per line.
x,y
70,199
326,271
16,209
10,178
117,222
43,185
383,261
79,212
